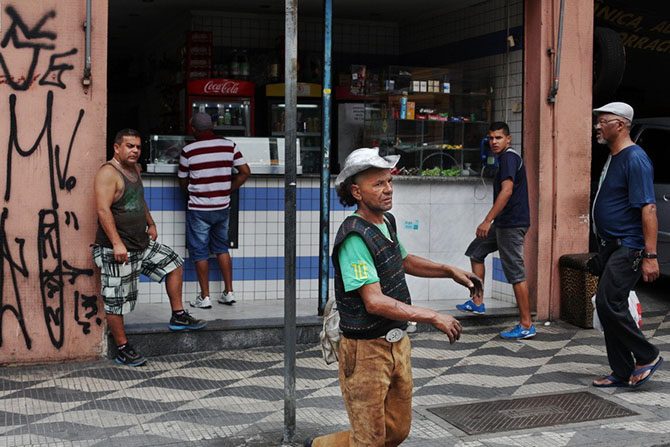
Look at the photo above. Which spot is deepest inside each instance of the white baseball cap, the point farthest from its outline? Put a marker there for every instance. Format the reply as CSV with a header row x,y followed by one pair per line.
x,y
616,108
365,158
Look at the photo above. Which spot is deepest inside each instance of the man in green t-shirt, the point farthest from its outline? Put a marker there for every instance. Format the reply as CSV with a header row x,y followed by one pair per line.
x,y
375,306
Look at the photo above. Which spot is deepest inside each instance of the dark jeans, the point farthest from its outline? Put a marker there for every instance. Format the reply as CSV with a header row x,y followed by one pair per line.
x,y
626,344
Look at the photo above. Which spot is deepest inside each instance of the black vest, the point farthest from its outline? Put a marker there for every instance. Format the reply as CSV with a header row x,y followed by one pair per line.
x,y
355,321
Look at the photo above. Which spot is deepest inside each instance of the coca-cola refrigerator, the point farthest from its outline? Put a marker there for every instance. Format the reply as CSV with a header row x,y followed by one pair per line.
x,y
229,102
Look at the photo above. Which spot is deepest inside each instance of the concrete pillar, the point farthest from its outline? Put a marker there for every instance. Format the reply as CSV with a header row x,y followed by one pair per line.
x,y
52,140
557,142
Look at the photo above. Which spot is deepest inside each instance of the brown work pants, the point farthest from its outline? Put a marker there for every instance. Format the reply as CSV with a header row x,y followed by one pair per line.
x,y
376,384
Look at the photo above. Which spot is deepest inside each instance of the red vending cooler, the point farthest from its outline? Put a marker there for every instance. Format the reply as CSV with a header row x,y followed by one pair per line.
x,y
229,102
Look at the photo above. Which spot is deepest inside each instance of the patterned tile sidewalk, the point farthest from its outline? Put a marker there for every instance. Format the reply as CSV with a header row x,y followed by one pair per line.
x,y
235,398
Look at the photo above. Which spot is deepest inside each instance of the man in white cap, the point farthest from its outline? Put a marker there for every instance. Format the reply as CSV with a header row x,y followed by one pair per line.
x,y
375,305
624,220
206,172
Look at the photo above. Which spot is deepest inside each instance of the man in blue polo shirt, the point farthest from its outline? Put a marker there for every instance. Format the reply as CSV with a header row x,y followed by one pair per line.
x,y
624,219
504,229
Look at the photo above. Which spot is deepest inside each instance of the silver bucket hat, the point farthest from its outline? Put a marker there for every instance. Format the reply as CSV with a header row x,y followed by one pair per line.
x,y
365,158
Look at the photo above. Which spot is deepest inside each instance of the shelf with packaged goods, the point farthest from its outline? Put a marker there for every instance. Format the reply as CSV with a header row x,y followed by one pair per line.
x,y
434,148
452,124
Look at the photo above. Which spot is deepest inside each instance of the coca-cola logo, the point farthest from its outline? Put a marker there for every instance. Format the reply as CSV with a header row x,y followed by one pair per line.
x,y
222,88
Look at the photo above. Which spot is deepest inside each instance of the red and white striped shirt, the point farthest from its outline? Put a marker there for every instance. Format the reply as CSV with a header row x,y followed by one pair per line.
x,y
208,164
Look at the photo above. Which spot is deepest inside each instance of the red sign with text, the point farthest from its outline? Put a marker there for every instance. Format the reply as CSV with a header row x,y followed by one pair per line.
x,y
220,87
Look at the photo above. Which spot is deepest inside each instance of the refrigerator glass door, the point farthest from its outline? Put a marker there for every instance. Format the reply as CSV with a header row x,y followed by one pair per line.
x,y
308,127
230,117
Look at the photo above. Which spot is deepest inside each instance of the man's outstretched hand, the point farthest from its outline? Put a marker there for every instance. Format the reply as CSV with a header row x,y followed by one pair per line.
x,y
469,280
449,325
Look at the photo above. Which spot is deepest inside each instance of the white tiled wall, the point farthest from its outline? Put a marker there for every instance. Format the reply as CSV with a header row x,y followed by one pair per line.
x,y
435,220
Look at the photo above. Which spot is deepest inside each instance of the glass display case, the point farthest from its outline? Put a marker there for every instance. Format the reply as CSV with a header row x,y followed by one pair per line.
x,y
263,155
164,152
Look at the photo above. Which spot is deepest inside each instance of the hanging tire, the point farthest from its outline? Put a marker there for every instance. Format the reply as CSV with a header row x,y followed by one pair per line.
x,y
609,63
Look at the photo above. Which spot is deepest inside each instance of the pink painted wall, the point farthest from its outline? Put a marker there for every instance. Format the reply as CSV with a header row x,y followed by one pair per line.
x,y
52,139
557,143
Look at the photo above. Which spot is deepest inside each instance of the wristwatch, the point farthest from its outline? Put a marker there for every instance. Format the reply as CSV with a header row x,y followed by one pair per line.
x,y
647,255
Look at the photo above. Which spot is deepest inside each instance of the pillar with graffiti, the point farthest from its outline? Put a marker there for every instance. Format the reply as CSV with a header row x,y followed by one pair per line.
x,y
52,104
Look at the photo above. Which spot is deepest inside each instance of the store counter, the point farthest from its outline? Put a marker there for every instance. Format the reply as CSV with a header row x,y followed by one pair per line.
x,y
436,219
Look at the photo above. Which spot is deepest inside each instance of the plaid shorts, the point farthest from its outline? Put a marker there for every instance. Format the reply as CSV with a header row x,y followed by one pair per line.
x,y
119,281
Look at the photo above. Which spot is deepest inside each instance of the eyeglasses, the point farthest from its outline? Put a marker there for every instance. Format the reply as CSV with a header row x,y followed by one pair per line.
x,y
601,123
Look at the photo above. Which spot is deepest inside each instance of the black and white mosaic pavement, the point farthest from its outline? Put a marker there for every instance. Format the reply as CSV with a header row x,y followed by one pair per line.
x,y
235,398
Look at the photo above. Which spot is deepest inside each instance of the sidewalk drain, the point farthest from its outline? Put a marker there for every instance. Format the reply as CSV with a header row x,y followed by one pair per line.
x,y
529,412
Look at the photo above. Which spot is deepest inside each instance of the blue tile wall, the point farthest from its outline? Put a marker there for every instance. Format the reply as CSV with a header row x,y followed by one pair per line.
x,y
251,199
256,269
498,273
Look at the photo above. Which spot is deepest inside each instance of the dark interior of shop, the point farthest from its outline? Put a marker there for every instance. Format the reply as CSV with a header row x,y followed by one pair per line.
x,y
147,61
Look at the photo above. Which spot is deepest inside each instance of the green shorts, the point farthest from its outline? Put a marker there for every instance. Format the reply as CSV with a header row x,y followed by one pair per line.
x,y
119,281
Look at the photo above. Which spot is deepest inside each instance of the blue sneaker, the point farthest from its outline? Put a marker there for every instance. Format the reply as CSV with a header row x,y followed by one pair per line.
x,y
470,306
518,332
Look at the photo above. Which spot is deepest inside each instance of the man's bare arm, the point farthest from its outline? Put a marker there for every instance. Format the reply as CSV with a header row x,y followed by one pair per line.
x,y
183,183
106,187
377,303
650,268
425,268
505,194
243,173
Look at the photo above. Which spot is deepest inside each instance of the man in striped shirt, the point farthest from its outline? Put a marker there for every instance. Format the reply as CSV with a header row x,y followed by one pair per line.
x,y
206,172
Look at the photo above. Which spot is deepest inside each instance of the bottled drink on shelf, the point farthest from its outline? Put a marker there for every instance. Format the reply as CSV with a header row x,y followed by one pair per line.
x,y
403,106
235,65
244,64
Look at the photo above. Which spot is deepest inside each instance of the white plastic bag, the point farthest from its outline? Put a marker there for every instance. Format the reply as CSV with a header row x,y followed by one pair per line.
x,y
634,307
330,333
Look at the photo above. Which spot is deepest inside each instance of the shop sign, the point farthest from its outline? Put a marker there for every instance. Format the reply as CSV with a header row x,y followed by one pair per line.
x,y
639,29
221,87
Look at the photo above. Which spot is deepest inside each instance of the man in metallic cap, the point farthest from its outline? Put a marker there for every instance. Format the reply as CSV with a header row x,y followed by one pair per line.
x,y
374,305
206,172
624,220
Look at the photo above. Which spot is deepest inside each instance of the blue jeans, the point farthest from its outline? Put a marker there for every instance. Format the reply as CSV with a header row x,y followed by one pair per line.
x,y
207,232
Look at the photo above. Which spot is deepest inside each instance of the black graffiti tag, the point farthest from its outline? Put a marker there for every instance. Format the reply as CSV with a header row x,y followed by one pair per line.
x,y
58,175
58,69
53,269
14,269
30,34
34,39
90,305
